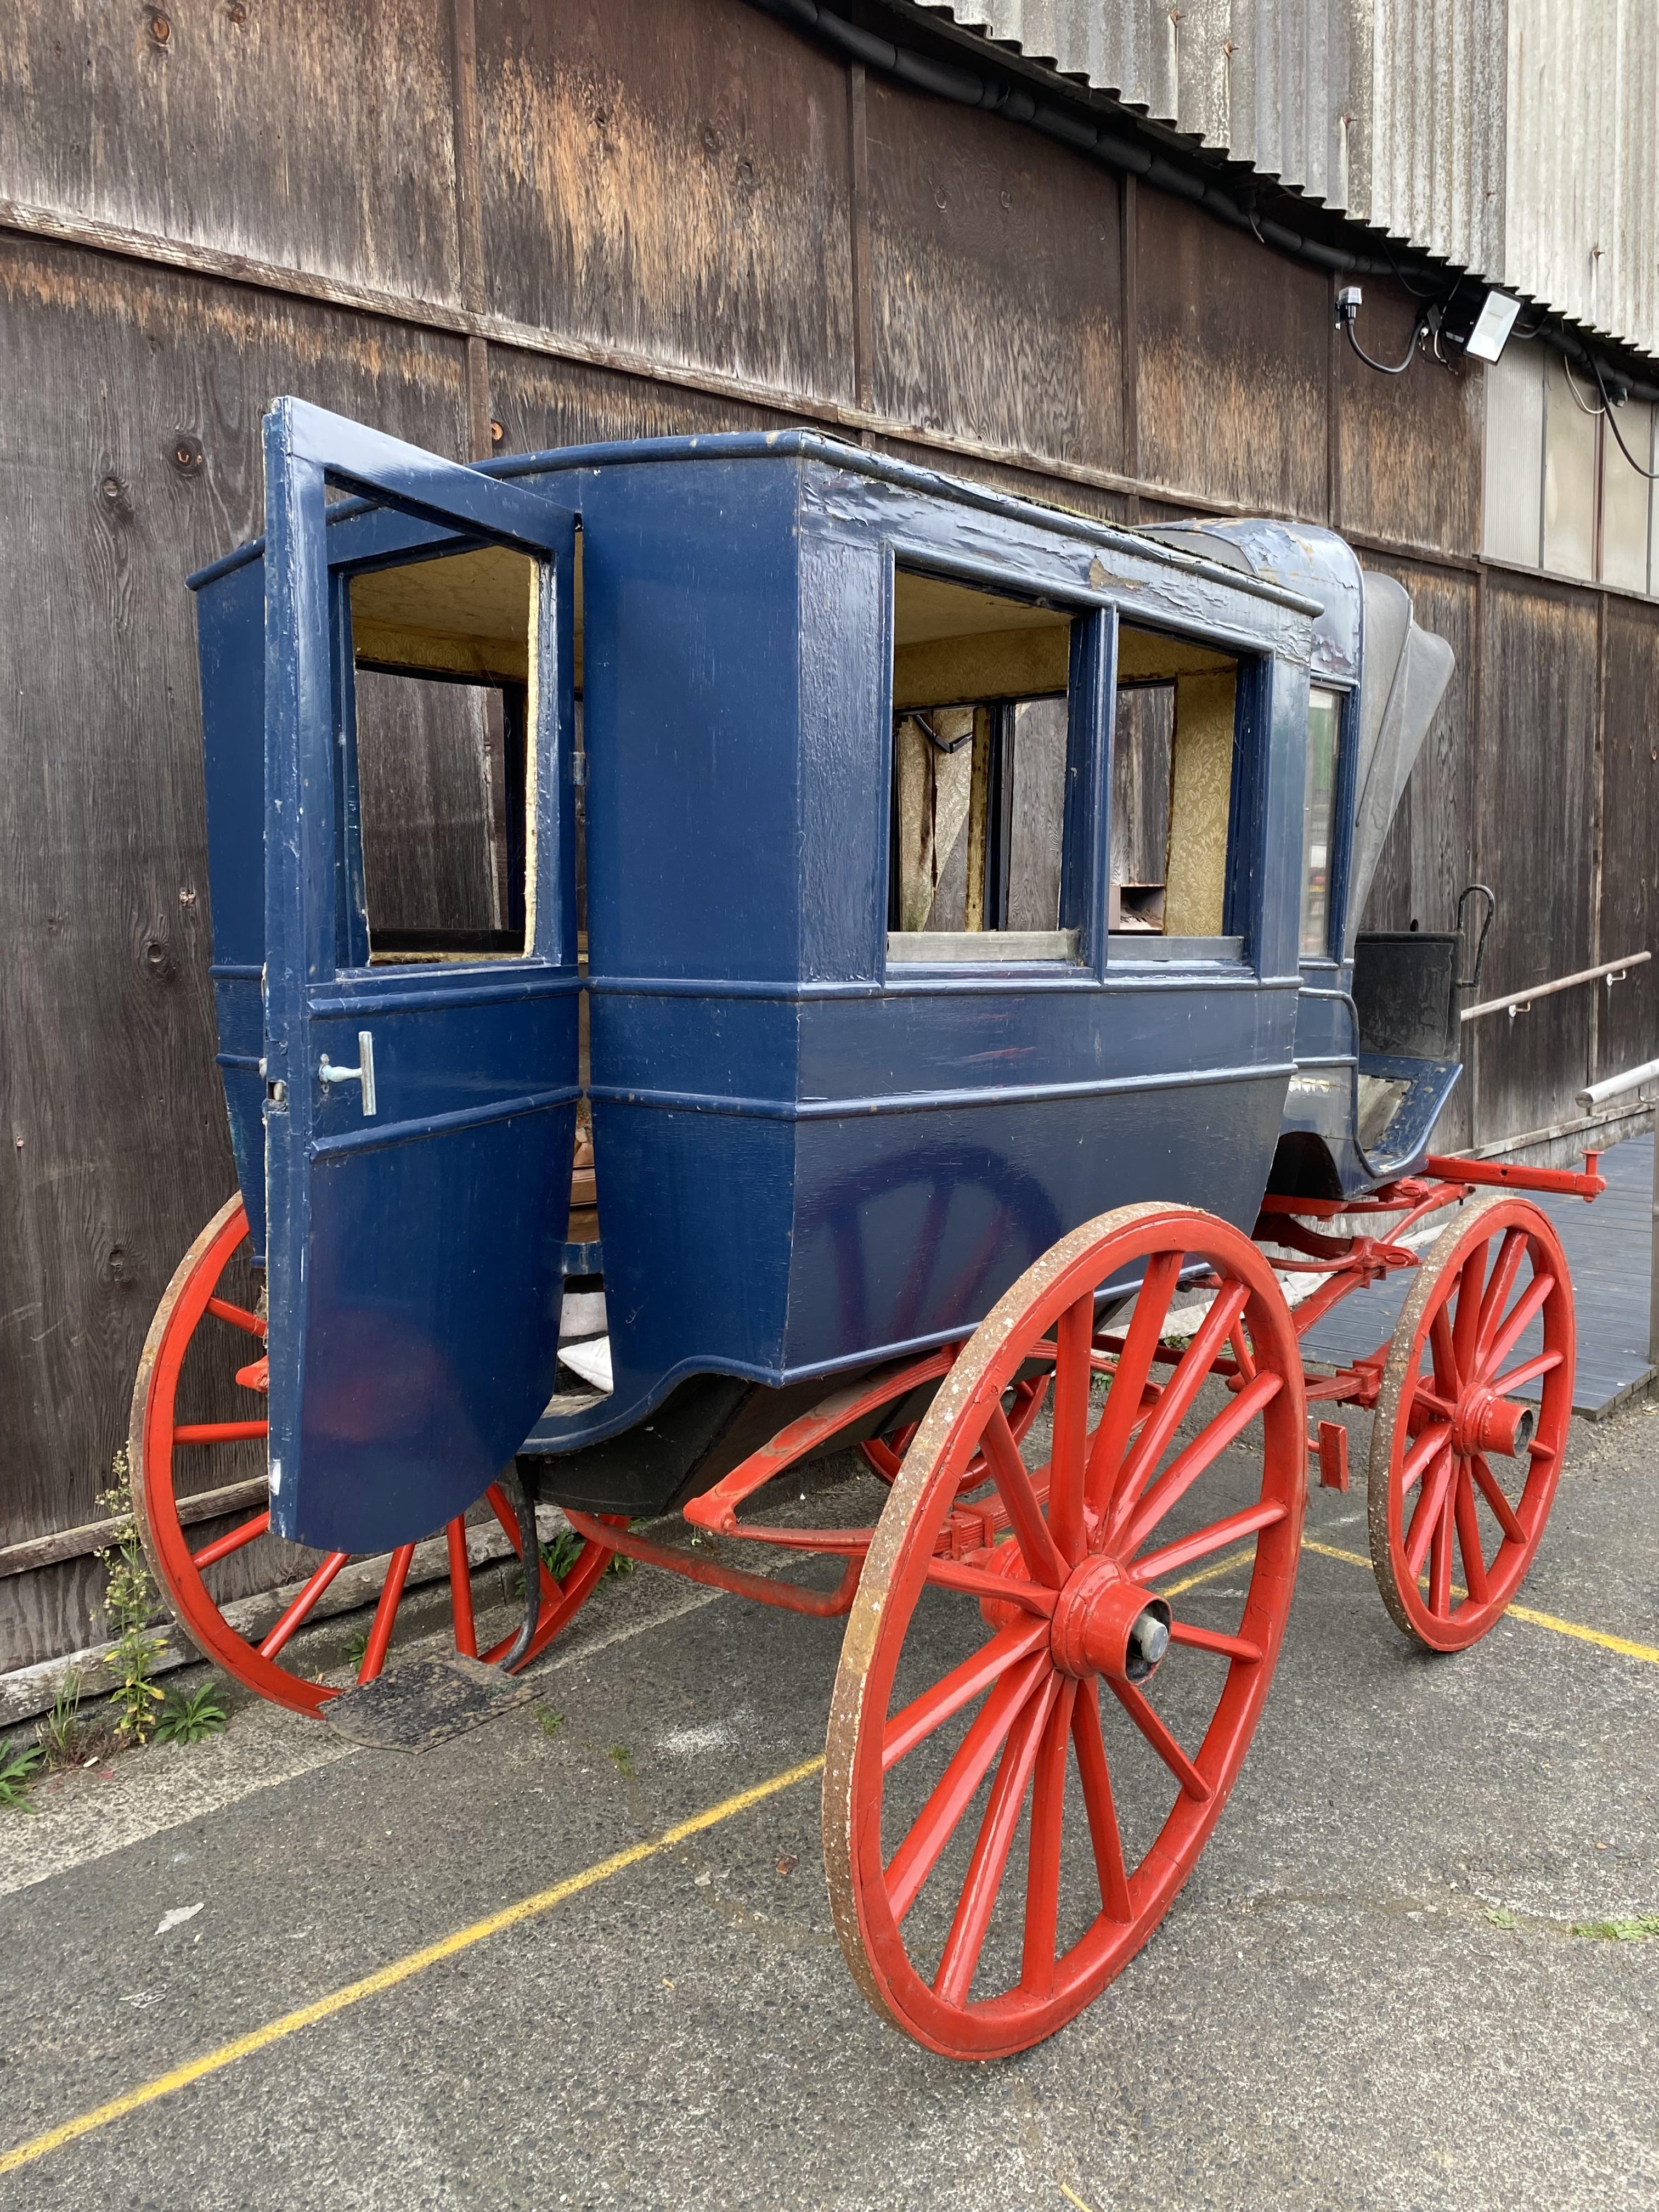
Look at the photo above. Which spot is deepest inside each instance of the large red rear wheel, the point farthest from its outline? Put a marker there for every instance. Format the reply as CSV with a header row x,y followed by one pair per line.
x,y
1459,1458
199,1496
1019,1646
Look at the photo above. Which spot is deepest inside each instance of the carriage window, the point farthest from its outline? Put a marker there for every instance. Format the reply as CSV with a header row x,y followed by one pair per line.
x,y
441,706
1319,822
981,744
1172,772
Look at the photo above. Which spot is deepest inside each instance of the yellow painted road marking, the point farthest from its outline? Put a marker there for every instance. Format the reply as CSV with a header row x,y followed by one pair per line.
x,y
400,1970
1072,2198
545,1900
1575,1628
1622,1644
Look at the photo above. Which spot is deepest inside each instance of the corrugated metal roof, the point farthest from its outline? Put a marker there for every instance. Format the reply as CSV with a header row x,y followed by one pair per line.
x,y
1519,138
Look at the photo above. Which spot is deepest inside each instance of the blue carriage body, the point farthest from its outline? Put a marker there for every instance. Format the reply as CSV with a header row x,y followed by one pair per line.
x,y
819,1146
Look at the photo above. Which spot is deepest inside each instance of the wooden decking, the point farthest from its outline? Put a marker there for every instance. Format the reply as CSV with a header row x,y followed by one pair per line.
x,y
1608,1246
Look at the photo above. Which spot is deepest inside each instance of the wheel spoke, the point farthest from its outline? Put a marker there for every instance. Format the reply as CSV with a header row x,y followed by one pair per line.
x,y
933,1826
1518,1322
1471,1283
1440,1557
1032,1533
1448,1376
881,1456
1510,1255
1468,1537
1158,1737
959,1687
238,1316
1240,1351
460,1590
1036,1971
307,1597
222,1546
1428,1446
1005,1589
1508,1520
976,1903
1074,1340
1191,1371
1214,1538
219,1432
1212,1639
1129,1381
385,1613
1430,1506
1096,1778
1518,1377
1179,1477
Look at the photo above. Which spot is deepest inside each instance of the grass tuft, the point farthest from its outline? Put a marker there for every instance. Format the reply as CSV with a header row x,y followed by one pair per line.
x,y
187,1719
17,1765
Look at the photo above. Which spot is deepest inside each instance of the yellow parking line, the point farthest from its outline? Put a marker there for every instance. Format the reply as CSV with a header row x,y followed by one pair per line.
x,y
1622,1644
400,1970
545,1900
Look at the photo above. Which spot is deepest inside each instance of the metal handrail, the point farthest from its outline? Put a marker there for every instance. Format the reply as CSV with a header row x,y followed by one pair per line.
x,y
1519,1001
1597,1094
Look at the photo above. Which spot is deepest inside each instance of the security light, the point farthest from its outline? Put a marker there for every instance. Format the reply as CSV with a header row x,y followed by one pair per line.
x,y
1478,322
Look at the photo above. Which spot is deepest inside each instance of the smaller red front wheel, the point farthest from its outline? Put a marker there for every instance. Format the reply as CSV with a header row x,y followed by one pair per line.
x,y
1463,1465
198,1493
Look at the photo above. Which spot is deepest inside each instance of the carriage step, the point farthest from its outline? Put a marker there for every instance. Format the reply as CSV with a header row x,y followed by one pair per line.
x,y
424,1702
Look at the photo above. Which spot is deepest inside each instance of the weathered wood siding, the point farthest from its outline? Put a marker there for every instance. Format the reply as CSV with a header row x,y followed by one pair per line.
x,y
495,224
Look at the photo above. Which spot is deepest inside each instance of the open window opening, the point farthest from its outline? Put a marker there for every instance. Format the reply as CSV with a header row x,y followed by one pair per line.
x,y
1174,741
982,744
440,709
1319,822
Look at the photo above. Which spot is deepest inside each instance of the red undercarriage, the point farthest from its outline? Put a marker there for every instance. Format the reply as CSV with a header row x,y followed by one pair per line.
x,y
964,1545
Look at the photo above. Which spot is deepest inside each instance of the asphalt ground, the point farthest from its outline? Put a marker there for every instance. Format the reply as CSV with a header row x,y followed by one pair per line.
x,y
1375,1991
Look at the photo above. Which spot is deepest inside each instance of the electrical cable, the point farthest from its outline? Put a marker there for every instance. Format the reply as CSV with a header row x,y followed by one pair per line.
x,y
1566,371
1652,475
1005,94
1383,367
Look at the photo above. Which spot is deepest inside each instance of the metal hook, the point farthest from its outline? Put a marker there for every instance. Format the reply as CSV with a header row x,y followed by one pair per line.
x,y
1469,891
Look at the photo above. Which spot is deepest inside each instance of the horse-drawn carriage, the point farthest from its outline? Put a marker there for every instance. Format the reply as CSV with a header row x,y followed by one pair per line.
x,y
893,990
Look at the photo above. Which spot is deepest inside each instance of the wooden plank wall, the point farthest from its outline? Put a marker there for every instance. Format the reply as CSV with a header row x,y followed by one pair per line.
x,y
492,225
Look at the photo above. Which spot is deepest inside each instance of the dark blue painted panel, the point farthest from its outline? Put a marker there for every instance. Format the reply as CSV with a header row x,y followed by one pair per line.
x,y
415,1236
421,1378
781,1128
691,674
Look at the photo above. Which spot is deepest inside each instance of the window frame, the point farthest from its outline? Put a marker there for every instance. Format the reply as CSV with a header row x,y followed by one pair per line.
x,y
1082,888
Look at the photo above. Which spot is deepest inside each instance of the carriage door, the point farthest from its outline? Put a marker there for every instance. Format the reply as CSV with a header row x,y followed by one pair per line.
x,y
419,993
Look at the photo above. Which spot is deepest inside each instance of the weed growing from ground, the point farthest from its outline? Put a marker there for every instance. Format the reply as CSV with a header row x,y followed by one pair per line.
x,y
549,1723
1641,1931
130,1604
621,1563
623,1758
561,1553
358,1650
16,1771
187,1719
63,1734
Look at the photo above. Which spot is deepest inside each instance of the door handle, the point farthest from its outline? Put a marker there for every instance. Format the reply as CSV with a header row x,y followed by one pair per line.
x,y
363,1072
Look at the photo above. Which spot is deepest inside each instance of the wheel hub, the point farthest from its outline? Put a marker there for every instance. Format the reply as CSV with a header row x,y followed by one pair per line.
x,y
1105,1624
1486,1423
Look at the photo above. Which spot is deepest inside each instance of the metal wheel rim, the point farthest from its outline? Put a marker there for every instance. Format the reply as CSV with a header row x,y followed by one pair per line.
x,y
153,1459
1415,1609
870,1937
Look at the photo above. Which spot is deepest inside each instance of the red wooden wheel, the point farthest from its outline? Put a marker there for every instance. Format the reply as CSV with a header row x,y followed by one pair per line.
x,y
209,1334
1458,1457
992,1637
1022,1401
